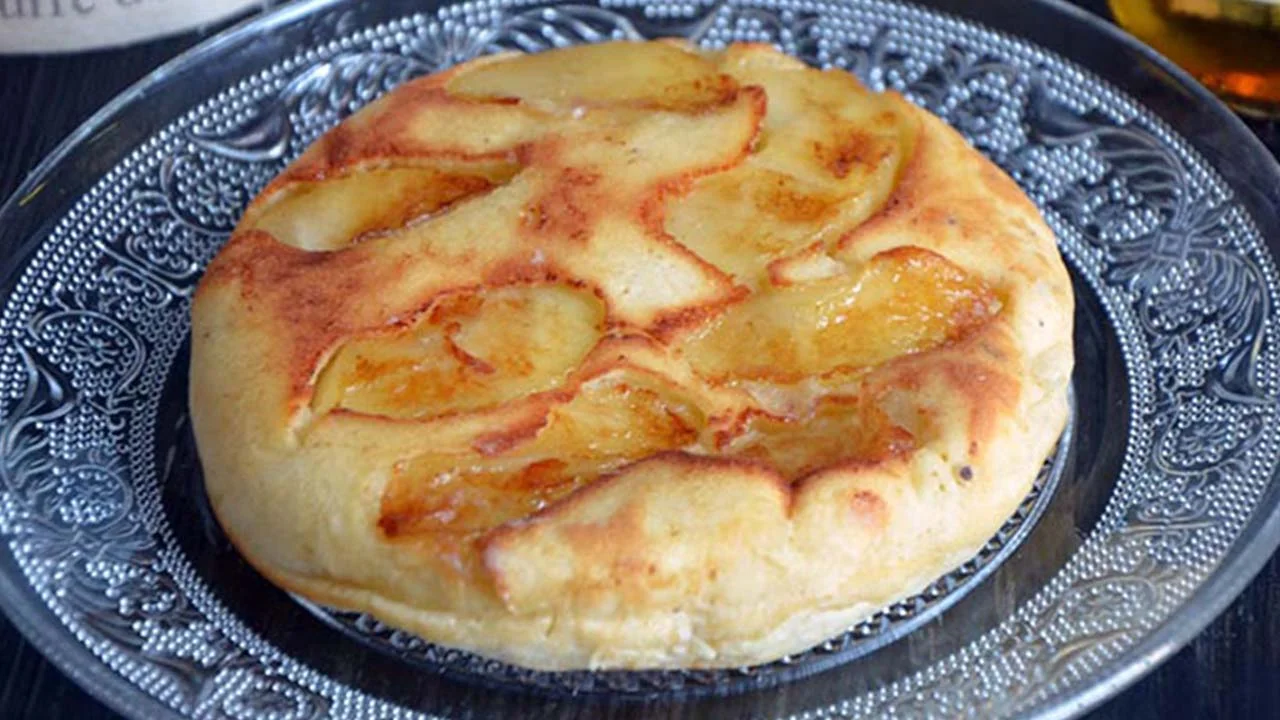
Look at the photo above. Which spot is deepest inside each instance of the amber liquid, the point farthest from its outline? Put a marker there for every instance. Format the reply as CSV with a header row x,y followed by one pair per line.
x,y
1232,46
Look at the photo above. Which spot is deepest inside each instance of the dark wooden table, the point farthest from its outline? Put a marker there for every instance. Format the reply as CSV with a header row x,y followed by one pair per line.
x,y
1232,670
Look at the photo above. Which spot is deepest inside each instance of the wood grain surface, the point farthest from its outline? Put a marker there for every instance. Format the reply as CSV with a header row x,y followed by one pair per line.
x,y
1231,670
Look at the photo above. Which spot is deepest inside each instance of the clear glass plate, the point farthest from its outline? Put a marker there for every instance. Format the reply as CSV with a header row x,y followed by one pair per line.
x,y
1155,511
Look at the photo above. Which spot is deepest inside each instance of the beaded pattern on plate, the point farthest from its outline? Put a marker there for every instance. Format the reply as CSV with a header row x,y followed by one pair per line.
x,y
91,331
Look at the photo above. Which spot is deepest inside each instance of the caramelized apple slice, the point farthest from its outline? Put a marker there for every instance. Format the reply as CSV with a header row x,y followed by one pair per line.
x,y
840,429
828,156
624,415
742,219
653,75
610,422
434,493
904,301
825,128
469,352
332,214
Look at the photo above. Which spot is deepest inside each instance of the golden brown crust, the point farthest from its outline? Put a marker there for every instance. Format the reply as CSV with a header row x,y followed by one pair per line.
x,y
573,368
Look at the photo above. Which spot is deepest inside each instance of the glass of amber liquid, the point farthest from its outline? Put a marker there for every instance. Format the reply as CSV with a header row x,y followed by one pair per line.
x,y
1232,46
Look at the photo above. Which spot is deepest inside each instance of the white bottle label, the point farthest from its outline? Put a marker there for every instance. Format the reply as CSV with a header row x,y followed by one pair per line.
x,y
37,26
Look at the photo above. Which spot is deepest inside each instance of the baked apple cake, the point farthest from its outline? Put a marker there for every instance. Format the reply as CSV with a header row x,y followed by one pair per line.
x,y
630,355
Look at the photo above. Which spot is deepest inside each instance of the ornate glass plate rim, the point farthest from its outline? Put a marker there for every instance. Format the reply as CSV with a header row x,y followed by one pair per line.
x,y
1140,213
